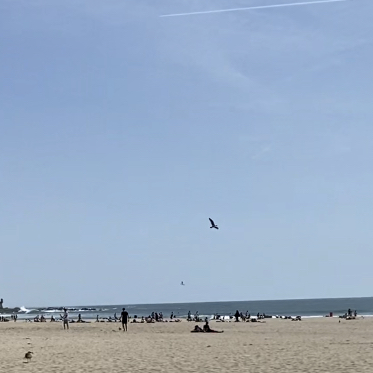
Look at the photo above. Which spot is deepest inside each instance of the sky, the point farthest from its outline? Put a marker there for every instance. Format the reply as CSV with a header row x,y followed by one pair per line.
x,y
122,132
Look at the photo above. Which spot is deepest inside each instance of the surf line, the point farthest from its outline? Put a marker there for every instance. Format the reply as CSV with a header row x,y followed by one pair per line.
x,y
250,8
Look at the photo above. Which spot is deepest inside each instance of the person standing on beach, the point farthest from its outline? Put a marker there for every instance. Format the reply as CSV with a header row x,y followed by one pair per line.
x,y
65,319
124,319
237,315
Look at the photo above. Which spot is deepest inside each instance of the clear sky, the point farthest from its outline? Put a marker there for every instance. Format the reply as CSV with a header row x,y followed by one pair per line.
x,y
121,133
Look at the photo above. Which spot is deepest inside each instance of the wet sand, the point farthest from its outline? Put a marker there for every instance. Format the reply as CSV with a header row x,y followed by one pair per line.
x,y
310,345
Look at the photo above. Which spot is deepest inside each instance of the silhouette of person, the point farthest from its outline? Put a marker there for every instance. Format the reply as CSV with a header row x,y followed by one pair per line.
x,y
124,319
237,315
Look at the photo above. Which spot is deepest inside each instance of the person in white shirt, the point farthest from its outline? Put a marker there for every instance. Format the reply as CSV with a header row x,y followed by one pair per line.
x,y
65,319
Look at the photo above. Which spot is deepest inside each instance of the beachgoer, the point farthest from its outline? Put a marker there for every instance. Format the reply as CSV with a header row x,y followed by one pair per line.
x,y
124,319
196,316
207,329
189,316
237,315
172,315
197,329
65,319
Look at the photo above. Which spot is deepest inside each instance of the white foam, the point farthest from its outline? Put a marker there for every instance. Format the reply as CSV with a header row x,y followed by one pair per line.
x,y
25,310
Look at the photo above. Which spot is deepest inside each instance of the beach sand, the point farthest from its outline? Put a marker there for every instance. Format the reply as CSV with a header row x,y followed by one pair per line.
x,y
310,345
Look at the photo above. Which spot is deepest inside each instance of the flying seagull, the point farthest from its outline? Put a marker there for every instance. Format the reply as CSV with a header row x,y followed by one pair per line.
x,y
182,283
213,225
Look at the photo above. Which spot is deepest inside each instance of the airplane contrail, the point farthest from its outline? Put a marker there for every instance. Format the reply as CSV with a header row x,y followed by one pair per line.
x,y
248,8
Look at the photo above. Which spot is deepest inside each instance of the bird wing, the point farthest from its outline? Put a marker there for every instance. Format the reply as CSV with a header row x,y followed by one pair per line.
x,y
211,221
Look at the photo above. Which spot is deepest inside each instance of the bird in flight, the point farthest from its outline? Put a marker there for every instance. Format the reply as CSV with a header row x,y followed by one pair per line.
x,y
213,225
182,283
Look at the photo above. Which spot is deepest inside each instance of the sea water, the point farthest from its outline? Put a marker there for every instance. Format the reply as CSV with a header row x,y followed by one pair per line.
x,y
291,307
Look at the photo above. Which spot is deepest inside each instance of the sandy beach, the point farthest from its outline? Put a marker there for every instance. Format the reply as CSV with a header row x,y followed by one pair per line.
x,y
310,345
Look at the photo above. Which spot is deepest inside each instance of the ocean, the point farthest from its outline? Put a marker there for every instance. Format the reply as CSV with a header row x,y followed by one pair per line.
x,y
291,307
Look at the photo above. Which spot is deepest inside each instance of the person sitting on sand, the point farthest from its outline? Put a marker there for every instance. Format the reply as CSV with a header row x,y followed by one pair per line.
x,y
207,329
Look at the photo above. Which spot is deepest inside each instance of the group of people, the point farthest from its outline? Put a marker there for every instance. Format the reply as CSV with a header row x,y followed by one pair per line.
x,y
123,318
5,319
205,329
239,316
194,318
350,314
157,317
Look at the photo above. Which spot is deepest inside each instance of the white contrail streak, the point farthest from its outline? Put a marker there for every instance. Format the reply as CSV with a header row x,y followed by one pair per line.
x,y
248,8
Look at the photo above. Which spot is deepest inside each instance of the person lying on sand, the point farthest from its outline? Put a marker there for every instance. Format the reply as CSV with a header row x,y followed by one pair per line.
x,y
197,329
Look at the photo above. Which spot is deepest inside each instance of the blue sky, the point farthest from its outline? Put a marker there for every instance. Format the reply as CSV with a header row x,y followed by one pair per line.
x,y
123,132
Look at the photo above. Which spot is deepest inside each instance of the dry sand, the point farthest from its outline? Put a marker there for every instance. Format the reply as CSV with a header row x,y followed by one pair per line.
x,y
310,345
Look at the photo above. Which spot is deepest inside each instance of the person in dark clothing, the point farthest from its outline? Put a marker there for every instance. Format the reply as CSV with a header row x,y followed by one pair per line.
x,y
124,319
207,329
237,315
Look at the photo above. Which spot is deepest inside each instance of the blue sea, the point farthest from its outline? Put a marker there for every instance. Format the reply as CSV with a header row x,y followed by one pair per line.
x,y
291,307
